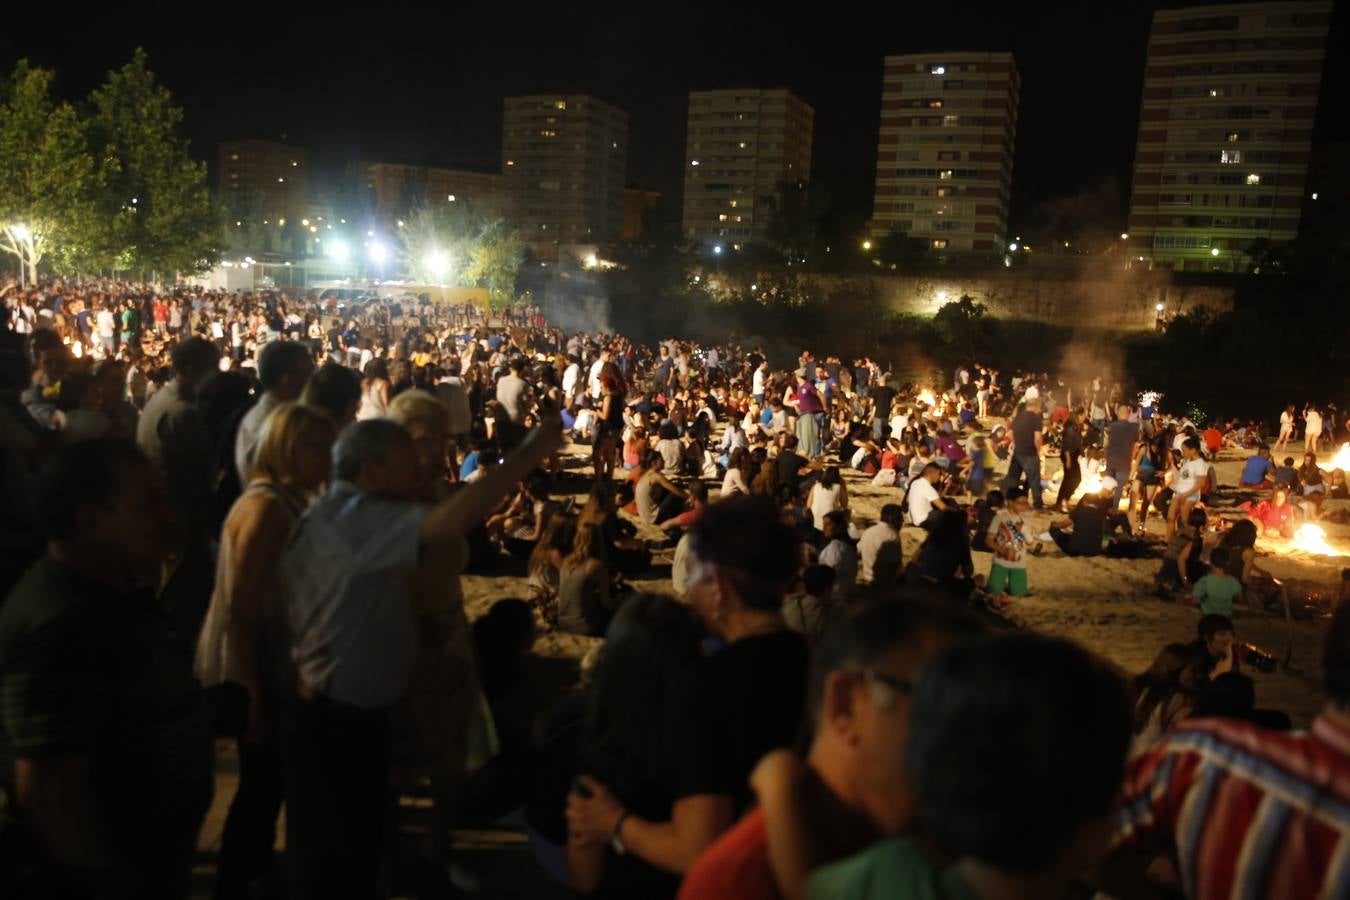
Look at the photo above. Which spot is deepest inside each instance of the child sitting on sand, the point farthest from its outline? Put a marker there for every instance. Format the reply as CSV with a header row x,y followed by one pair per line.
x,y
1215,592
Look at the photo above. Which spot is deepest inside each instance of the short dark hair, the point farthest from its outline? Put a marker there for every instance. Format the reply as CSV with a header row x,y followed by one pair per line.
x,y
746,538
1336,657
1062,717
1192,443
365,442
893,514
86,473
1016,493
193,352
884,621
1219,557
332,388
279,359
817,579
1212,623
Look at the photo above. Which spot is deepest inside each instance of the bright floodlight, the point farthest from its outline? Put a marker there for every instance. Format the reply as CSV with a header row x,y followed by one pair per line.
x,y
338,250
867,245
592,261
717,249
1214,252
1124,236
942,295
1013,246
1158,307
21,232
437,264
378,253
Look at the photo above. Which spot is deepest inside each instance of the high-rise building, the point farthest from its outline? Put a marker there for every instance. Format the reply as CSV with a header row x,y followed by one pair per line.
x,y
637,203
398,189
945,155
564,160
265,178
741,147
1225,133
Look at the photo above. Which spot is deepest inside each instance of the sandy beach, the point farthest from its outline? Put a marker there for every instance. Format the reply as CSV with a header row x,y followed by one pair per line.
x,y
1106,604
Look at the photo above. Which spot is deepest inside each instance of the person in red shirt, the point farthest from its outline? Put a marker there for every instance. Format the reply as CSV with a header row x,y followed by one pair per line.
x,y
1275,515
1249,812
698,501
854,787
1213,440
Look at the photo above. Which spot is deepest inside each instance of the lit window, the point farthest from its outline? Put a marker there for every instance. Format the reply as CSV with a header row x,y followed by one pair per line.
x,y
937,70
722,217
510,162
693,162
294,164
950,121
560,104
1232,137
935,104
548,133
734,202
1230,156
939,243
281,181
945,174
234,157
743,145
1253,179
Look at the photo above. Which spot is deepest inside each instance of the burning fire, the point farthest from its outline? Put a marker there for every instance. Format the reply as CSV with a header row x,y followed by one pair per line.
x,y
926,396
1340,461
1312,538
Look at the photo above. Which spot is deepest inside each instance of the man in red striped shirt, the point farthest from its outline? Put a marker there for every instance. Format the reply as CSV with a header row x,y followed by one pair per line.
x,y
1249,812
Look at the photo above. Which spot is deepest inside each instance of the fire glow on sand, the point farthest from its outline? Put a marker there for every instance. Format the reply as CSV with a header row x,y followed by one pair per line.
x,y
1310,538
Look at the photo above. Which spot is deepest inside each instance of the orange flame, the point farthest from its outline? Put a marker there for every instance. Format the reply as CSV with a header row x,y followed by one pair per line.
x,y
1312,539
1340,461
926,396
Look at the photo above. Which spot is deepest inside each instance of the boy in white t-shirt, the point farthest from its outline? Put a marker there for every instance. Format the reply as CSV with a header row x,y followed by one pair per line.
x,y
1190,481
1007,538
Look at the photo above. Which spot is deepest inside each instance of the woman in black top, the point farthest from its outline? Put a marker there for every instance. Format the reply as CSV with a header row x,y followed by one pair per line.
x,y
1070,446
944,557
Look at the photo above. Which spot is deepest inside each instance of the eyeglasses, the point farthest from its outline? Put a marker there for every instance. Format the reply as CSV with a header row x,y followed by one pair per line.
x,y
896,685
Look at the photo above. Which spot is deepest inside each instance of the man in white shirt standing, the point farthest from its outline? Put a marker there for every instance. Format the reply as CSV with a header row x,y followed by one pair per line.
x,y
571,375
107,331
757,386
1190,480
593,380
879,548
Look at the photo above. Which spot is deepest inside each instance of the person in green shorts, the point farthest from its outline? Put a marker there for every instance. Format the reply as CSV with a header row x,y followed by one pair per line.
x,y
1215,592
1007,538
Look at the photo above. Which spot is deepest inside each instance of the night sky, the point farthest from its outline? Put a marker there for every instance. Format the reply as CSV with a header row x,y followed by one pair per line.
x,y
418,86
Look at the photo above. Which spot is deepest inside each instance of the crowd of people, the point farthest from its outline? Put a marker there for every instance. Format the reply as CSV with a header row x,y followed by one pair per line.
x,y
245,518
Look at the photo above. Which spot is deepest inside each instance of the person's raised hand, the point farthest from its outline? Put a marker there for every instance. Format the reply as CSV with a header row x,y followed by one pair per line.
x,y
592,819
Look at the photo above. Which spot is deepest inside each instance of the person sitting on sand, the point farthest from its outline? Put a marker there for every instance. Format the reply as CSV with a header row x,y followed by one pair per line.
x,y
1314,487
1215,592
1276,515
1166,693
1181,565
1286,474
1258,471
943,559
1090,522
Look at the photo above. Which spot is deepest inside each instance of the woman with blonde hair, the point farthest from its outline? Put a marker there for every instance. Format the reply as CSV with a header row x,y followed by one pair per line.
x,y
241,649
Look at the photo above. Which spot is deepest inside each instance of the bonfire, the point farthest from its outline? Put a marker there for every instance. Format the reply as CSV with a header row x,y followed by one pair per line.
x,y
927,396
1340,461
1310,538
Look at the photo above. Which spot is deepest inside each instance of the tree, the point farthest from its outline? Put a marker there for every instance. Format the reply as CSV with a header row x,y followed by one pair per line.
x,y
963,325
496,261
47,176
794,216
156,200
900,251
438,242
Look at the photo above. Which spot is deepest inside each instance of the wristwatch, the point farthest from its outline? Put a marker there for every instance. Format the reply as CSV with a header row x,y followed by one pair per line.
x,y
616,839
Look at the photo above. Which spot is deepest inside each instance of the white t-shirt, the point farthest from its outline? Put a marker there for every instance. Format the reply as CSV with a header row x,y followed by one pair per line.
x,y
1314,420
1286,421
570,376
921,498
1033,393
594,380
757,382
1190,475
873,539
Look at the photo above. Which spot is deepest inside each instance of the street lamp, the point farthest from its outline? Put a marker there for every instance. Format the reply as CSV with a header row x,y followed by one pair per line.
x,y
867,245
338,250
717,249
437,265
1124,236
378,253
21,232
1214,251
1157,307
